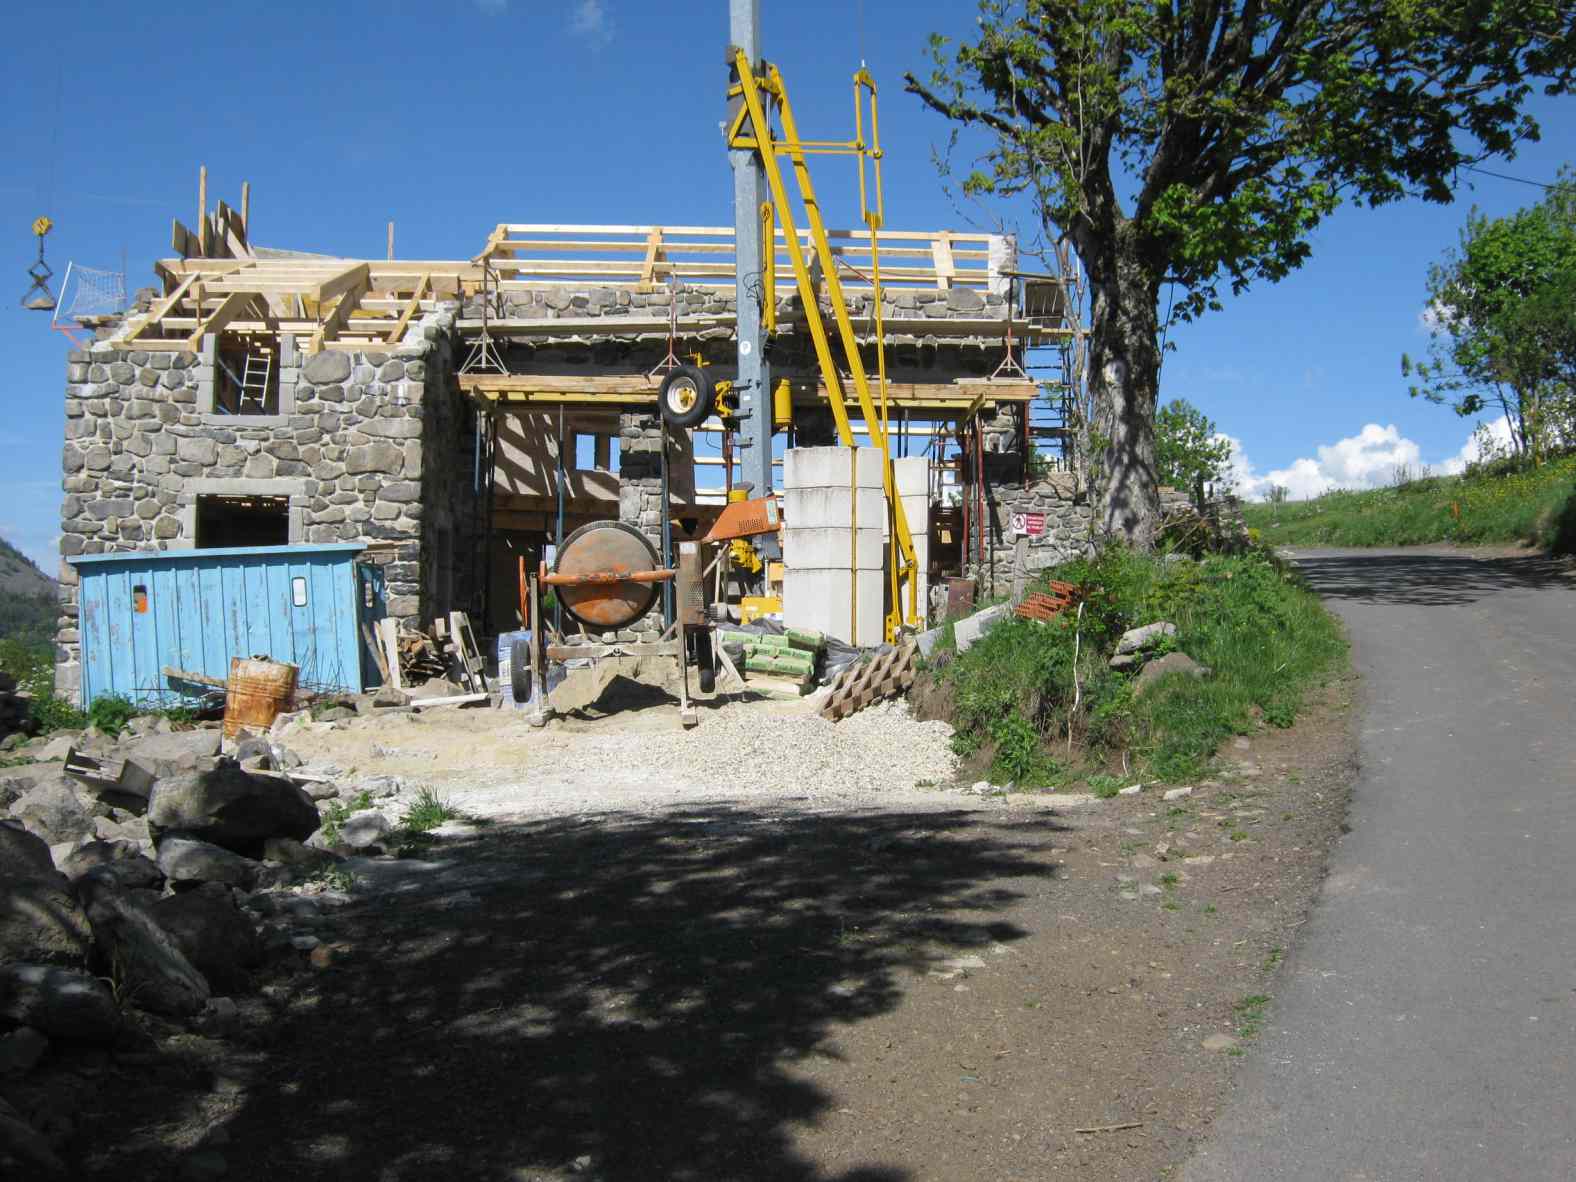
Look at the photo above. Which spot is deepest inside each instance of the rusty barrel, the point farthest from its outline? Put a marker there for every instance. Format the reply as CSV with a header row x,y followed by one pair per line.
x,y
257,692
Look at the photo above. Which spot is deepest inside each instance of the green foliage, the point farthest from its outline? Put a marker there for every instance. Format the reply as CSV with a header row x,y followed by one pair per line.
x,y
1187,148
56,714
1244,124
1266,638
338,812
1504,322
111,712
1506,502
1188,449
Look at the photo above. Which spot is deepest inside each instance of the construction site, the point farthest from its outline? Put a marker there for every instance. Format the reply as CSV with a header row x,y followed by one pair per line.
x,y
850,432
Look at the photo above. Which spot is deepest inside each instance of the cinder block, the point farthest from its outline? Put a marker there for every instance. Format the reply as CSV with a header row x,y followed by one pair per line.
x,y
822,599
831,467
913,476
833,549
808,508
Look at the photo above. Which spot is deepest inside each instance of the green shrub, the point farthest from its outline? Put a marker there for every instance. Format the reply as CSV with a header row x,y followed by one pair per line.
x,y
1266,638
111,712
52,714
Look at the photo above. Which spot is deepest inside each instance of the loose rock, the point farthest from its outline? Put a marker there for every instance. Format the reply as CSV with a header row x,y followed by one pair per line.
x,y
1170,663
63,1003
20,1051
212,934
1136,640
153,972
184,858
232,808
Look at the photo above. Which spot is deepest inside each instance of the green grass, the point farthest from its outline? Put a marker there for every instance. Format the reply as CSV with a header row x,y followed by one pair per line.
x,y
1021,687
427,812
1500,503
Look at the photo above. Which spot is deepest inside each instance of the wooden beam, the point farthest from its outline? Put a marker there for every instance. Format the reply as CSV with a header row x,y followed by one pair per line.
x,y
202,210
410,309
356,276
158,311
234,304
338,318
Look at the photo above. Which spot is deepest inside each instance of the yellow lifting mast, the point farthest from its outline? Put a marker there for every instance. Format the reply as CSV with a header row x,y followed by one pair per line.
x,y
751,128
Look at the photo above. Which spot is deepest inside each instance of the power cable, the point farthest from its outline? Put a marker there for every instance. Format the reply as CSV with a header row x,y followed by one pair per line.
x,y
1504,177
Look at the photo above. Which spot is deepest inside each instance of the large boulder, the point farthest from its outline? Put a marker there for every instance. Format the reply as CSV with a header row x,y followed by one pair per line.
x,y
23,853
232,807
24,1146
185,859
119,862
174,752
40,921
150,970
213,933
54,811
63,1003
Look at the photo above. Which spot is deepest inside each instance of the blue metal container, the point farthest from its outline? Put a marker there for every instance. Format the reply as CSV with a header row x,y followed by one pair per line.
x,y
195,609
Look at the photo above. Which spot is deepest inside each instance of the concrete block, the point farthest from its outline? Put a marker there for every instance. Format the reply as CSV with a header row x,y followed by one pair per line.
x,y
968,630
831,467
913,476
833,549
822,599
805,508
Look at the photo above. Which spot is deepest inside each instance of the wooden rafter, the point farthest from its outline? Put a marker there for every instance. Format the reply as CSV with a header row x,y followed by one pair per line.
x,y
338,318
357,275
410,310
162,308
229,308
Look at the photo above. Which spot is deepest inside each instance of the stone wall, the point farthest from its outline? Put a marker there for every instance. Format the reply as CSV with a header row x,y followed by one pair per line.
x,y
1013,559
367,446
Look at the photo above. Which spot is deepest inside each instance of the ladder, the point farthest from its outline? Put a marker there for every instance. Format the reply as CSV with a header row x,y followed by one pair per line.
x,y
751,129
255,375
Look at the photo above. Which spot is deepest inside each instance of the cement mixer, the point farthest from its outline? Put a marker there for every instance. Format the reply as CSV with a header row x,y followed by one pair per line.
x,y
608,578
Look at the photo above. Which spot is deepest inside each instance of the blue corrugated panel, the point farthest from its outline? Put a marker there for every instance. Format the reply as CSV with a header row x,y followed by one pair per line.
x,y
195,609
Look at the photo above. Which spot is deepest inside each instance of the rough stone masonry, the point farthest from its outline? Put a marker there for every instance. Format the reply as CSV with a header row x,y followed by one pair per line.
x,y
366,446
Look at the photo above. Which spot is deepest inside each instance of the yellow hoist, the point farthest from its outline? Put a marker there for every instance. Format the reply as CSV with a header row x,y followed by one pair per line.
x,y
764,93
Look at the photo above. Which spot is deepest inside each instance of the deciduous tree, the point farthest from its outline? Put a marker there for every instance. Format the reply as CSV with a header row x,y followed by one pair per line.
x,y
1199,142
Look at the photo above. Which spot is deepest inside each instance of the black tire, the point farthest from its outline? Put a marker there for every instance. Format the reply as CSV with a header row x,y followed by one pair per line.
x,y
520,670
705,661
687,396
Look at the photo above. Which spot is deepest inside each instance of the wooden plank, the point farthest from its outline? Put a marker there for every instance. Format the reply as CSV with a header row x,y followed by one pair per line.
x,y
376,650
234,304
941,251
388,633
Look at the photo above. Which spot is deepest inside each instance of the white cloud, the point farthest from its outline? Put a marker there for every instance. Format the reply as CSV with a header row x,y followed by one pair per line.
x,y
1368,459
1492,437
591,21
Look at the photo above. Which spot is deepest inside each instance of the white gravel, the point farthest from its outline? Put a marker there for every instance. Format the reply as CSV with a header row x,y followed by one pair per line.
x,y
491,764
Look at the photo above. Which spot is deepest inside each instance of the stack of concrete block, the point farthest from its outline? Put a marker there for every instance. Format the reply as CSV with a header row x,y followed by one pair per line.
x,y
834,517
913,489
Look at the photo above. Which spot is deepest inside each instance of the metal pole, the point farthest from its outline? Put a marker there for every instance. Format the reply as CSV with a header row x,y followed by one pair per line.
x,y
749,193
558,536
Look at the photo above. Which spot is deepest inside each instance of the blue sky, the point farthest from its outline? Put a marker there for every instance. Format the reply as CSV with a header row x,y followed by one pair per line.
x,y
451,117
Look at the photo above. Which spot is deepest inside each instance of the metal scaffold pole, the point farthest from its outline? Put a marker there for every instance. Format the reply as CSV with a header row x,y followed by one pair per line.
x,y
749,194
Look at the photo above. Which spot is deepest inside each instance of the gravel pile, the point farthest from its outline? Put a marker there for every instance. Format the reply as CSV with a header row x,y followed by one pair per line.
x,y
740,750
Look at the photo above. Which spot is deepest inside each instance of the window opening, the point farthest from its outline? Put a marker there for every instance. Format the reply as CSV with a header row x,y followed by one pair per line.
x,y
242,521
246,375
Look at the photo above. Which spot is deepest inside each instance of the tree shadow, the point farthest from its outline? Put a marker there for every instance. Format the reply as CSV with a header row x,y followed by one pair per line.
x,y
620,998
1428,579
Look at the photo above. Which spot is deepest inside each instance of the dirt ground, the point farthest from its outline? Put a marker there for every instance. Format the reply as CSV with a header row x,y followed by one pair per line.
x,y
872,987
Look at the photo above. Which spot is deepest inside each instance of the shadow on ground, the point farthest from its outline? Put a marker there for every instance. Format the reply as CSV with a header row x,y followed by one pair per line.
x,y
1388,577
619,997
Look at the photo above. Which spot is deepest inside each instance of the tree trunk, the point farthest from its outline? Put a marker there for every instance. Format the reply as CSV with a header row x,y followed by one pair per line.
x,y
1124,385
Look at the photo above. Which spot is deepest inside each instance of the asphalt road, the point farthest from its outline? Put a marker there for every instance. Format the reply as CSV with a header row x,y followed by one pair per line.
x,y
1425,1027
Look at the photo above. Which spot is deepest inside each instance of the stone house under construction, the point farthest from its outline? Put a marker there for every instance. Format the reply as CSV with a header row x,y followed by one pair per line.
x,y
457,417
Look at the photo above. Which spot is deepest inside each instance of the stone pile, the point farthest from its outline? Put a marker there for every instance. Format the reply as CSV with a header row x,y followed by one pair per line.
x,y
153,887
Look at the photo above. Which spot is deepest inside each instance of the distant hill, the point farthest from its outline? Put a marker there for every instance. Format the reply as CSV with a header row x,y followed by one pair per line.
x,y
29,599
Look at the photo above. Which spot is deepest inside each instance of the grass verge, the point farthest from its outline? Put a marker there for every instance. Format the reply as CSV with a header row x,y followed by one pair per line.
x,y
1498,503
1041,700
